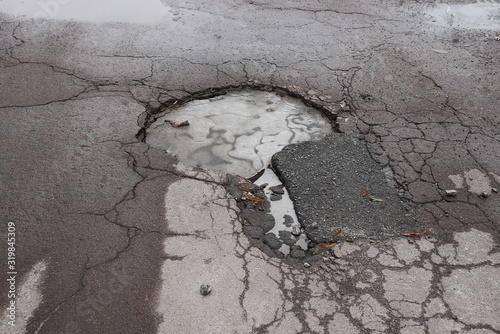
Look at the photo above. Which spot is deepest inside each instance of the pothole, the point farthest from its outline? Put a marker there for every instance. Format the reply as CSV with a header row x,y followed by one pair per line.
x,y
238,133
300,186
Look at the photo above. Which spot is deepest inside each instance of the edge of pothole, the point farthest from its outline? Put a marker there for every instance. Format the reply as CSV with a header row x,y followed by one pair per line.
x,y
152,113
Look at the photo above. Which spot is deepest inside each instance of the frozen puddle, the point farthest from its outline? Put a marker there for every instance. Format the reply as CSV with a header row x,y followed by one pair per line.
x,y
130,11
480,15
286,222
238,133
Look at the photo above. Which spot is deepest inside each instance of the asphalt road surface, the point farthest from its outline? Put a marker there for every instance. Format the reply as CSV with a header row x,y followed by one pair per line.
x,y
101,233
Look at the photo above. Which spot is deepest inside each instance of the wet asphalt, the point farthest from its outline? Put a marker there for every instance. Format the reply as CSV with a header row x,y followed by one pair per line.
x,y
114,236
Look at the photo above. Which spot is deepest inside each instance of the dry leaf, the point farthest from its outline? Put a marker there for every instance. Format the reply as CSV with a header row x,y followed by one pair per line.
x,y
254,198
415,234
245,188
364,193
336,235
179,124
325,246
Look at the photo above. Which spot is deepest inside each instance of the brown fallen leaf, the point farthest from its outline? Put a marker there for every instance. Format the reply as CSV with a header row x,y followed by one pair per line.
x,y
415,234
245,188
255,199
336,235
179,124
364,193
325,246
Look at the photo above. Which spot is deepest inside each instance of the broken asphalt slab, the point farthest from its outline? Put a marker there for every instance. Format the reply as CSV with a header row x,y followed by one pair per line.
x,y
335,185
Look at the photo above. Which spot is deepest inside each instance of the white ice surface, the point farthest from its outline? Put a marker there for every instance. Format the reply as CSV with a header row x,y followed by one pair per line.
x,y
129,11
281,208
237,133
479,15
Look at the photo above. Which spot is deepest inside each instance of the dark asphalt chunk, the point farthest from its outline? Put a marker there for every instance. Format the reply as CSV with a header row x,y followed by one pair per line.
x,y
327,181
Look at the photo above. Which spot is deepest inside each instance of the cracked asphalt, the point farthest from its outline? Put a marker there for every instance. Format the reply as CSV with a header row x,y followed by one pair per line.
x,y
113,236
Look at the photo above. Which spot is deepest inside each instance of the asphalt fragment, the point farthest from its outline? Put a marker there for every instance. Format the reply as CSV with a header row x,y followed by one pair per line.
x,y
325,179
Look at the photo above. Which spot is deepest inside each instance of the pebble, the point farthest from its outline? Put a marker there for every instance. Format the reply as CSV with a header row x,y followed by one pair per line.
x,y
484,194
495,190
314,225
178,123
272,241
307,265
277,189
451,193
288,220
205,289
344,106
275,197
296,230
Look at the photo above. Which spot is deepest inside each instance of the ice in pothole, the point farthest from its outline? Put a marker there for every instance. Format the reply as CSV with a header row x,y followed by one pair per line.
x,y
238,132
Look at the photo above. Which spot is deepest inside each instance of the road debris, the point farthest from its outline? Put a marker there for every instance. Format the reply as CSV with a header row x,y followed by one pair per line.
x,y
255,199
275,197
440,51
366,192
343,104
375,199
484,194
415,234
296,229
326,246
336,235
205,289
277,189
178,124
451,193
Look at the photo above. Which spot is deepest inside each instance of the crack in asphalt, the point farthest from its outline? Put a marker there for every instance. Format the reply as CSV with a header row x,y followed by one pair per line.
x,y
288,8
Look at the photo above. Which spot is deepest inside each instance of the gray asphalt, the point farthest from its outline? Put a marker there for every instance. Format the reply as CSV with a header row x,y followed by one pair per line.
x,y
113,236
336,185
